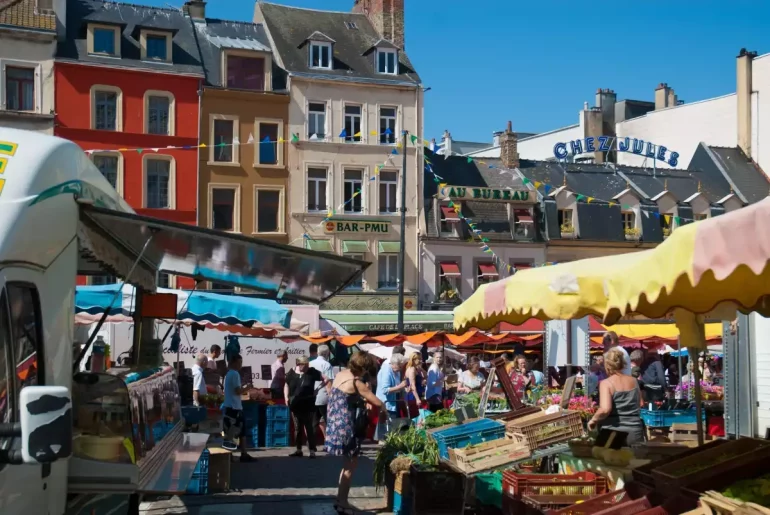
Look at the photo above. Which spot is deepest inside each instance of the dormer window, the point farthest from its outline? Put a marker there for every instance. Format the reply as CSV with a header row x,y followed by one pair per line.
x,y
320,55
247,72
156,46
104,40
387,61
449,222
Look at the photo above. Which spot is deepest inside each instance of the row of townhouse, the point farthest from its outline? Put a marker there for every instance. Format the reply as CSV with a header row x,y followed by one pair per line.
x,y
289,128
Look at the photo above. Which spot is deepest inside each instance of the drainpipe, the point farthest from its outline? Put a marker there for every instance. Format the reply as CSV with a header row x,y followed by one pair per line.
x,y
419,174
198,164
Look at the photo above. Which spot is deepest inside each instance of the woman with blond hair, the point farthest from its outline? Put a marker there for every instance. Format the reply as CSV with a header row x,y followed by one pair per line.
x,y
415,380
620,400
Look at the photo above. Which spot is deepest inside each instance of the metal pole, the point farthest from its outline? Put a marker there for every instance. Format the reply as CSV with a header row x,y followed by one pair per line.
x,y
402,250
679,357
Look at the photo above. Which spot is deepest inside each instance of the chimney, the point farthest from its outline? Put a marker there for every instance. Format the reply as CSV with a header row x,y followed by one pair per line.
x,y
509,148
496,138
387,17
447,141
664,96
743,87
195,9
593,127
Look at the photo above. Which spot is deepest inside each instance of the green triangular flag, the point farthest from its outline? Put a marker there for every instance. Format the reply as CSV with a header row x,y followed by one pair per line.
x,y
626,207
436,179
677,220
485,240
295,138
580,197
525,181
470,159
413,138
451,204
139,150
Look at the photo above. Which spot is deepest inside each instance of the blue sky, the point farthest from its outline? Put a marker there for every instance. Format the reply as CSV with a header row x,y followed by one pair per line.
x,y
535,63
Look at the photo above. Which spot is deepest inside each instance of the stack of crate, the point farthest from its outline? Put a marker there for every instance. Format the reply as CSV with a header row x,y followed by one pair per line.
x,y
277,426
199,484
251,419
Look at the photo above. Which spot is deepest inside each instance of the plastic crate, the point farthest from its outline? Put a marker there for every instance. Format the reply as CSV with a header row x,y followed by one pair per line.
x,y
604,501
541,429
276,440
464,435
202,468
584,484
402,505
631,507
277,426
278,412
198,485
436,491
489,489
550,503
665,418
193,414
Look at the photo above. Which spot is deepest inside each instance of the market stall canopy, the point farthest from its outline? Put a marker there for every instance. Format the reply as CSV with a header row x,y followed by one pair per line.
x,y
116,239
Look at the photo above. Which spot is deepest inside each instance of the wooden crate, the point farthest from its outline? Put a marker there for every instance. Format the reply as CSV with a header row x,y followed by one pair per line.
x,y
542,430
681,433
714,503
488,455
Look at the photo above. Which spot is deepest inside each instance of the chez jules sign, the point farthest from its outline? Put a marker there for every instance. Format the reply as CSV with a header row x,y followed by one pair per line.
x,y
357,227
606,143
465,193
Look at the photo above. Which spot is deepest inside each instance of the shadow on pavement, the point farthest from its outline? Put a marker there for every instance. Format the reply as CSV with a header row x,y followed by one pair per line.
x,y
274,472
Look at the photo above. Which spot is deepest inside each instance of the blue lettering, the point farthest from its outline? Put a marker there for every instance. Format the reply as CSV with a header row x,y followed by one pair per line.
x,y
638,146
673,160
576,147
661,154
604,144
560,151
650,150
590,144
624,144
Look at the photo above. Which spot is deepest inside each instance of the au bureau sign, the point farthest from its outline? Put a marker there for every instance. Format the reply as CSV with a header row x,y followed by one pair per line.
x,y
370,302
357,227
466,193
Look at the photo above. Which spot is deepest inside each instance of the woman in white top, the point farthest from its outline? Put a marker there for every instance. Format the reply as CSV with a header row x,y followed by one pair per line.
x,y
199,383
472,379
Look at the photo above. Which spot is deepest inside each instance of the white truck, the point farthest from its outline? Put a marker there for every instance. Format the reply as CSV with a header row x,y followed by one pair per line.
x,y
68,439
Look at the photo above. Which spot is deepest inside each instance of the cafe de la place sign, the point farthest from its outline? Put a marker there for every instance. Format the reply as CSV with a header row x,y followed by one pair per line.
x,y
470,193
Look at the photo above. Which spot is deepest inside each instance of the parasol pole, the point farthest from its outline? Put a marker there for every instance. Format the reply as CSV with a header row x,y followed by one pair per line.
x,y
692,330
679,358
698,394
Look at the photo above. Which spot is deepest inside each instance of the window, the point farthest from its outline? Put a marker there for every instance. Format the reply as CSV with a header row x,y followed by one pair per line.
x,y
351,25
164,280
629,221
108,165
269,210
387,62
388,190
700,217
316,189
486,273
223,212
106,110
19,89
316,120
246,72
524,226
156,47
449,220
157,185
159,115
102,280
320,55
26,335
358,284
223,135
104,40
353,123
354,182
449,281
6,358
388,271
270,149
388,125
565,220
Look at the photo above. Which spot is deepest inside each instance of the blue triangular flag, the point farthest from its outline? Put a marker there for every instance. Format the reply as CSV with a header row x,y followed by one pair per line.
x,y
266,140
388,131
395,151
344,134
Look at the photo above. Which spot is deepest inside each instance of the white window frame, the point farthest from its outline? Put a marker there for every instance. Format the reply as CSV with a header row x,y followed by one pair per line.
x,y
454,233
213,144
104,88
362,122
16,63
363,191
321,45
329,201
171,179
625,215
143,45
395,119
236,205
279,145
171,111
281,208
268,71
121,165
387,257
382,53
380,183
326,119
90,39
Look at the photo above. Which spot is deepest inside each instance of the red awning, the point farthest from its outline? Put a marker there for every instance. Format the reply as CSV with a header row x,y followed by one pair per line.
x,y
532,325
487,270
450,270
449,214
521,266
594,326
523,216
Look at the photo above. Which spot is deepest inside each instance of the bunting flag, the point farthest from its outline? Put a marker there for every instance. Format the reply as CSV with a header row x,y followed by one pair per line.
x,y
344,134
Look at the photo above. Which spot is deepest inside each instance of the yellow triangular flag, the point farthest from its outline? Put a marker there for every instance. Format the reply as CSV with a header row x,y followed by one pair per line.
x,y
667,218
357,135
281,140
610,204
441,184
538,184
589,199
373,133
399,145
202,145
426,143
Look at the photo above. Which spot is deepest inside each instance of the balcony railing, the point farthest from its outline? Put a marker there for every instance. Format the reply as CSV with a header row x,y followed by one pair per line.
x,y
387,285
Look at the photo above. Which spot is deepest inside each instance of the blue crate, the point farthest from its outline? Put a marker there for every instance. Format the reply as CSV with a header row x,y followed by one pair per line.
x,y
159,430
402,505
277,412
251,410
193,414
276,440
198,485
665,418
277,426
250,421
471,433
202,468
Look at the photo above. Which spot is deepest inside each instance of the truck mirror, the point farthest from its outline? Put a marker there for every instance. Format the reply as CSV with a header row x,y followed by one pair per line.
x,y
46,424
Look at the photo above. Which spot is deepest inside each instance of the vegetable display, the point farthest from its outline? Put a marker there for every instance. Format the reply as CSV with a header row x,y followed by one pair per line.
x,y
755,490
442,417
412,443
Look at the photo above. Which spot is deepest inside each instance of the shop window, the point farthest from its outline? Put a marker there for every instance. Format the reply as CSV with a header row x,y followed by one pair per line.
x,y
520,266
387,268
353,123
269,149
449,222
449,281
316,189
316,120
320,55
164,280
269,210
388,192
387,61
353,190
223,149
223,201
19,88
102,280
629,225
388,125
486,273
246,72
700,217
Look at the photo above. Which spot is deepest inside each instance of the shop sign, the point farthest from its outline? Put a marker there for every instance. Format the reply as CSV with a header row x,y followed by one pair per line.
x,y
357,227
413,327
370,302
465,193
606,143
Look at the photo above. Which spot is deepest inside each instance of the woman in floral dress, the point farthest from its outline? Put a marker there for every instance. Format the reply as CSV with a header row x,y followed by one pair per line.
x,y
347,420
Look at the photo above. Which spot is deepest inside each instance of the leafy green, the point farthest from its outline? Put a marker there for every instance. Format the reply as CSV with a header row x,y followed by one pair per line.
x,y
756,491
442,417
411,442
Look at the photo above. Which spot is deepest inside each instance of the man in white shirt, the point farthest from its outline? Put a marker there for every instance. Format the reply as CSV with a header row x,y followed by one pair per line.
x,y
199,383
232,420
322,388
610,341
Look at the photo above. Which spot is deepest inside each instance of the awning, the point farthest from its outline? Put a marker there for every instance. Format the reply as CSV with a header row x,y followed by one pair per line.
x,y
450,270
355,247
387,321
389,247
522,266
319,245
450,215
117,239
523,216
487,270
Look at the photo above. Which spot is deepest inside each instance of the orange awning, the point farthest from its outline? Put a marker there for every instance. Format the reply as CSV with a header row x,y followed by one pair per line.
x,y
419,339
349,341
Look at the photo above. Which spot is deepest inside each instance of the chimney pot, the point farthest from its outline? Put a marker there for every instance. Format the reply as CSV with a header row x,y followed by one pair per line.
x,y
196,9
598,90
509,127
509,148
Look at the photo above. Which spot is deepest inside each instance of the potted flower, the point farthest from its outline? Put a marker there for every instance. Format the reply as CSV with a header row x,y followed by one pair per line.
x,y
567,231
633,234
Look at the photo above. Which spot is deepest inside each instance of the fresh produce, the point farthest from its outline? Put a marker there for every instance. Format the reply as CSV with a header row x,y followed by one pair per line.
x,y
412,443
755,490
442,417
618,457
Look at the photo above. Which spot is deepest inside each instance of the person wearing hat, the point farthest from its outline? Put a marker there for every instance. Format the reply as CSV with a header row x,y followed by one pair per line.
x,y
299,393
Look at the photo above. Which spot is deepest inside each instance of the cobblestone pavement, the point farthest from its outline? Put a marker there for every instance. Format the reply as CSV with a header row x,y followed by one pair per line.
x,y
278,484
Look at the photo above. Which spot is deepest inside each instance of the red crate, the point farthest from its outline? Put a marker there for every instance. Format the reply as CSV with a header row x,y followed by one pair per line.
x,y
595,504
585,484
628,508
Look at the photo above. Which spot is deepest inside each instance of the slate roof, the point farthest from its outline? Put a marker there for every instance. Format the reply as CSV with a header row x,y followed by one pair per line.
x,y
130,18
290,27
749,179
24,14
